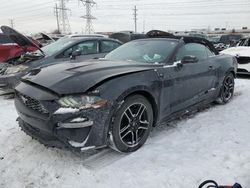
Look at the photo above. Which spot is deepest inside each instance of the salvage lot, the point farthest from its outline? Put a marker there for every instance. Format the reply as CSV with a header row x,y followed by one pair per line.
x,y
213,144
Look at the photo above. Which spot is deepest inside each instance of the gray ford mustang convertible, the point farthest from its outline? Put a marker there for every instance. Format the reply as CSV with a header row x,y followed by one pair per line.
x,y
117,100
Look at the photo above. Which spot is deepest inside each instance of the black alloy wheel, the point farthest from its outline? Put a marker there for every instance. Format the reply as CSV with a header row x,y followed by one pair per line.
x,y
132,124
227,89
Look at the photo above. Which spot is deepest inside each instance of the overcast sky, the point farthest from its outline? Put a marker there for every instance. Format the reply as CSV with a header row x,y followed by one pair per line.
x,y
114,15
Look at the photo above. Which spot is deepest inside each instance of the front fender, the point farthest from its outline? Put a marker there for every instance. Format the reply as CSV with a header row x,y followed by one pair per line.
x,y
117,89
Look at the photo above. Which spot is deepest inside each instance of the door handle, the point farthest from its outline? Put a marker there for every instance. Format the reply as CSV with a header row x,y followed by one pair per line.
x,y
210,67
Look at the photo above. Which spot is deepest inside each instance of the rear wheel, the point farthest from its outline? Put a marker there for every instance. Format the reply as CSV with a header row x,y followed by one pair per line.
x,y
132,124
227,89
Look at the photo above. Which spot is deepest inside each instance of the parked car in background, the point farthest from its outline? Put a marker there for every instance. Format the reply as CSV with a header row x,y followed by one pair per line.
x,y
198,35
70,49
117,100
45,39
126,36
244,42
230,39
242,52
219,46
214,39
10,50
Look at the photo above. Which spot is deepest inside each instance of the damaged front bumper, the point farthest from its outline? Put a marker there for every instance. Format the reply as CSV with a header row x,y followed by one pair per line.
x,y
79,130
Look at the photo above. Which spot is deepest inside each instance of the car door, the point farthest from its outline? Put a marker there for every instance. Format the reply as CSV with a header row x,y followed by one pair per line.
x,y
190,81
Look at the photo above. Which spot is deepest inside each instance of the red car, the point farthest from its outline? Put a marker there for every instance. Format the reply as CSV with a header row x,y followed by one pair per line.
x,y
9,49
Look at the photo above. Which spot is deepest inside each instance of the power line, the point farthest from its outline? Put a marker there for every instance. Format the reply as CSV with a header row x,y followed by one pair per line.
x,y
201,13
153,11
63,17
178,4
89,17
57,18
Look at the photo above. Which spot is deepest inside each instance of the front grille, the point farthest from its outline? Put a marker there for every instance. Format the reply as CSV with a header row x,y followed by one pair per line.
x,y
33,104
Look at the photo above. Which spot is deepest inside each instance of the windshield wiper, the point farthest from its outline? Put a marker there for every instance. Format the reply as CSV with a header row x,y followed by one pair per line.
x,y
43,54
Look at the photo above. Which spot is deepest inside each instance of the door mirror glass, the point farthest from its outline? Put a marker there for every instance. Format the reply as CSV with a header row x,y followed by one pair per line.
x,y
189,59
75,54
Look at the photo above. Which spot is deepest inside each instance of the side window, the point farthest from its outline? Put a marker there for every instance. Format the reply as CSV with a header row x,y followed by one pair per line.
x,y
108,46
67,53
5,40
192,49
86,48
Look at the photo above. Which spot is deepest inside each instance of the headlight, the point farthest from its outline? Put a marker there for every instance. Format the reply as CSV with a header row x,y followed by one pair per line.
x,y
81,102
15,69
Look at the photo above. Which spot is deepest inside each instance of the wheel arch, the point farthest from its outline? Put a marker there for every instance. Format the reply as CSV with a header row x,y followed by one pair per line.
x,y
151,100
233,72
230,70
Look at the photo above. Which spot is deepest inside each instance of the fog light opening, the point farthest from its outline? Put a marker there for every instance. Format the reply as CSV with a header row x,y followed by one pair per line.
x,y
79,120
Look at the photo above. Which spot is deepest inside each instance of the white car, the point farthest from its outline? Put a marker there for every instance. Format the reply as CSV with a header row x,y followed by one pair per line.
x,y
242,53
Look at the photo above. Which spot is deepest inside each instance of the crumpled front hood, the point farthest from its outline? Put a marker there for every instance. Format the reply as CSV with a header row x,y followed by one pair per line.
x,y
242,51
70,78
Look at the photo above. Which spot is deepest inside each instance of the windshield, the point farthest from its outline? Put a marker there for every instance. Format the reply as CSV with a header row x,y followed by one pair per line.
x,y
145,51
5,40
55,46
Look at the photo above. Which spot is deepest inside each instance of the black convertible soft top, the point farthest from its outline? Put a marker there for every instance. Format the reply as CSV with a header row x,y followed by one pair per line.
x,y
126,37
186,39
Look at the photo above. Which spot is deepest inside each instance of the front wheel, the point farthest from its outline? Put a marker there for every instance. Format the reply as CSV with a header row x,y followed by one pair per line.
x,y
132,124
227,89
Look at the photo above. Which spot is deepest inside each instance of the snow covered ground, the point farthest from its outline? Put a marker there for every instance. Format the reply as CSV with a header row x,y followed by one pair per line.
x,y
213,144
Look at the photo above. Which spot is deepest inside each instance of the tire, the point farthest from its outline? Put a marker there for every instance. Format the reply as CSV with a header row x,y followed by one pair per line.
x,y
226,90
132,123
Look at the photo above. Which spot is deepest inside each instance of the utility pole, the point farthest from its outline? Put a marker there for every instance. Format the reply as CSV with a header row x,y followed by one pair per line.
x,y
88,17
63,21
57,19
12,23
144,26
135,18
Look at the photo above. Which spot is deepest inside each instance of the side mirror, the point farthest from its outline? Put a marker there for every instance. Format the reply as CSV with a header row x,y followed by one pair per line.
x,y
189,59
75,54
